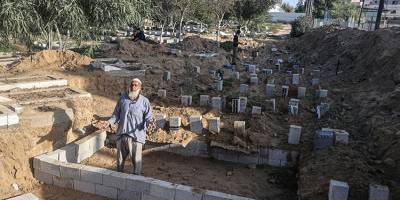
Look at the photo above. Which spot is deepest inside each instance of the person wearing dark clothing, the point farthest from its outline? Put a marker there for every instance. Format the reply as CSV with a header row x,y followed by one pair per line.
x,y
139,35
235,46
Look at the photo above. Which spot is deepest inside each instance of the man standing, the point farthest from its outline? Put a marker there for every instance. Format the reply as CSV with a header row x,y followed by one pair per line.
x,y
235,46
133,115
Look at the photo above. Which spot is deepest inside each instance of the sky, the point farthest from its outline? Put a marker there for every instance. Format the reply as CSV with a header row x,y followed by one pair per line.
x,y
291,2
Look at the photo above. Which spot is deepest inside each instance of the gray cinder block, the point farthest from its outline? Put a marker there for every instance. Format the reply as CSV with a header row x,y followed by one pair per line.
x,y
85,186
129,195
138,183
338,190
115,179
63,182
93,174
70,170
186,193
162,189
50,166
44,177
105,191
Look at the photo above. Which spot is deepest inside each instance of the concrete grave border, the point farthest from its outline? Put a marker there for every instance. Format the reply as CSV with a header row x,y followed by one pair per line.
x,y
53,82
61,168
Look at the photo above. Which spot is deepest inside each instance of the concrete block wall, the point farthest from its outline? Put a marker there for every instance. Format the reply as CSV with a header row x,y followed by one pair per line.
x,y
34,84
8,117
50,168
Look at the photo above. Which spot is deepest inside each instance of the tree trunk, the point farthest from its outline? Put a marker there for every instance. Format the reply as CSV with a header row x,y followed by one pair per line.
x,y
162,32
59,38
181,21
219,27
379,15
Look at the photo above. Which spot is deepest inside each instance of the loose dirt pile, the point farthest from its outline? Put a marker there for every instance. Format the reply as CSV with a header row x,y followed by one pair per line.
x,y
366,94
52,59
128,49
198,44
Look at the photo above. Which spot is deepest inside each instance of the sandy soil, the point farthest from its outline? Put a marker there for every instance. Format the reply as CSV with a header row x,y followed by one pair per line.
x,y
201,173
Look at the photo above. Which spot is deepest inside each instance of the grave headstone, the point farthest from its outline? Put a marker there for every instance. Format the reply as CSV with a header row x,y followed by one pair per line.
x,y
219,85
270,105
338,190
197,69
196,125
244,88
294,134
186,100
162,93
341,136
301,92
174,122
285,91
239,128
243,104
252,69
167,76
378,192
294,106
296,79
253,80
160,120
214,124
204,100
315,81
323,139
237,75
271,81
322,93
270,90
256,110
235,105
216,103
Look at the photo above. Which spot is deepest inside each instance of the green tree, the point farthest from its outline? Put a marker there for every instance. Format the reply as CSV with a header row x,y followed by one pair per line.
x,y
247,10
19,21
344,9
300,7
287,8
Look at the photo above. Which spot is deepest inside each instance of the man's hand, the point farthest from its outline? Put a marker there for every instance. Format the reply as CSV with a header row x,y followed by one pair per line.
x,y
104,124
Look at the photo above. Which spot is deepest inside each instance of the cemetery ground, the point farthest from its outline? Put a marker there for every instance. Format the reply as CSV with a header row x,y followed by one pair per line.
x,y
278,153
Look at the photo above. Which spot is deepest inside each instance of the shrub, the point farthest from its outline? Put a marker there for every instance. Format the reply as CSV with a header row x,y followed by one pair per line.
x,y
300,26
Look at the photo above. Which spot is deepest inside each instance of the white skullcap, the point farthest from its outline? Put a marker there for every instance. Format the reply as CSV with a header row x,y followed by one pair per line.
x,y
137,80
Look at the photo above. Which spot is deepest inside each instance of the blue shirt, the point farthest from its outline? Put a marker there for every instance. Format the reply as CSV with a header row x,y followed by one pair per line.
x,y
132,117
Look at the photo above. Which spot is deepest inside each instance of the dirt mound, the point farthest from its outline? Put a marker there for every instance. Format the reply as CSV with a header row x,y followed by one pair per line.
x,y
128,49
197,44
52,59
361,70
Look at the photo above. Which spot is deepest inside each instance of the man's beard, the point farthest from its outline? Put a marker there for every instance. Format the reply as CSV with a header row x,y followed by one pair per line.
x,y
133,94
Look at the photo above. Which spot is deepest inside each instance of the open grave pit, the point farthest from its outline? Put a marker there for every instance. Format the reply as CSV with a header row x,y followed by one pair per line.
x,y
204,175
